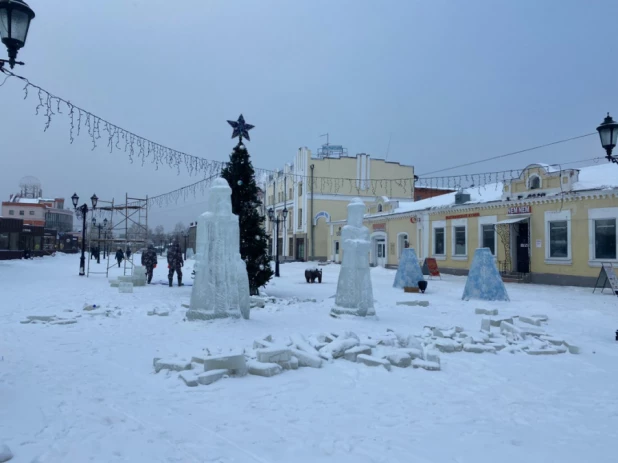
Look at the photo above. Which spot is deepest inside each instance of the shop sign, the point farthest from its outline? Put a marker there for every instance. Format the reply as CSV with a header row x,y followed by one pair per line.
x,y
379,226
415,219
463,216
519,210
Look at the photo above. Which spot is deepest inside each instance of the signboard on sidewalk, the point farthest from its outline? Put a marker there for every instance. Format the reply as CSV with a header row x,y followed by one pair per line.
x,y
607,277
430,267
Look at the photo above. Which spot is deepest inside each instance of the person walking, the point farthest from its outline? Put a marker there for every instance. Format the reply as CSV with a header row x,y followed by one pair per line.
x,y
119,256
175,262
149,260
128,253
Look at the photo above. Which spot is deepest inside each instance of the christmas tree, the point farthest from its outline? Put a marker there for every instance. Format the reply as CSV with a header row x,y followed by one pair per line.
x,y
246,204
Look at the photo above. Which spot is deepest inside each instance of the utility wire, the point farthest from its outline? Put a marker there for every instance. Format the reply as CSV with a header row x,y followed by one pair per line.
x,y
511,154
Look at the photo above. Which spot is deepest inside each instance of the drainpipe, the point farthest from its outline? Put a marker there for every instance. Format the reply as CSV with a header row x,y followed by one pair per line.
x,y
285,206
311,216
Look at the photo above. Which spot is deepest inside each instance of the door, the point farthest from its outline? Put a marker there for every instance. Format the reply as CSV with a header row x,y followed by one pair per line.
x,y
419,243
300,249
337,259
523,249
381,253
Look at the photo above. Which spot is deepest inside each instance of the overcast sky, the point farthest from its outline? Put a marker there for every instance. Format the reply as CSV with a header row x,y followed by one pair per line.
x,y
448,81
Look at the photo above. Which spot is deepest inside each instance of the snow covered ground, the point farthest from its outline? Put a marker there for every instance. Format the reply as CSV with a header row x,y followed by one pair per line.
x,y
87,392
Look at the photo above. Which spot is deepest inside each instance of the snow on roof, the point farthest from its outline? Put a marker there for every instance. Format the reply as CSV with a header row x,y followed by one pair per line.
x,y
484,194
27,201
598,177
548,168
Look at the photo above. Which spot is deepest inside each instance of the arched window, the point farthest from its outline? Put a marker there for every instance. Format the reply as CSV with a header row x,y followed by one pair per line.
x,y
379,207
534,182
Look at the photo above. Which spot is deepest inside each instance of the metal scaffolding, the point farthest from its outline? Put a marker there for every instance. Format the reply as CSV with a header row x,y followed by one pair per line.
x,y
127,230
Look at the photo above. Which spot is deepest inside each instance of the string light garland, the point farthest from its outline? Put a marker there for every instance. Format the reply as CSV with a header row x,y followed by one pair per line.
x,y
100,130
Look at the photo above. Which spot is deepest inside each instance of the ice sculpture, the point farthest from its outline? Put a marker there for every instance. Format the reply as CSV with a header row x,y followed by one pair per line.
x,y
484,281
221,285
409,271
354,291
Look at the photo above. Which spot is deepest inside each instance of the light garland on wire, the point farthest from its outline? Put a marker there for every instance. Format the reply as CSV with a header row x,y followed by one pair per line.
x,y
145,150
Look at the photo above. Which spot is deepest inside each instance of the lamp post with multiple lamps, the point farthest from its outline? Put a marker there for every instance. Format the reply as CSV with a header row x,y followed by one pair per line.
x,y
15,17
277,220
83,210
608,131
100,227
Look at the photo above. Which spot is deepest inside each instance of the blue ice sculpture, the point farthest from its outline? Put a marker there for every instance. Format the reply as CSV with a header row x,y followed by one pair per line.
x,y
409,271
484,282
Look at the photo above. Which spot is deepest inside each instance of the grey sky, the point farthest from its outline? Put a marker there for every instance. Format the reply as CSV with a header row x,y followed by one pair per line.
x,y
452,81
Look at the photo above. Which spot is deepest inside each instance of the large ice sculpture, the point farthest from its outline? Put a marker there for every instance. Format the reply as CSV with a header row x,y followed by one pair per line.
x,y
409,271
221,285
484,281
354,291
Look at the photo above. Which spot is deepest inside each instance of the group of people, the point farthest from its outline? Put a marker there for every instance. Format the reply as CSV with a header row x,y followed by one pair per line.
x,y
175,262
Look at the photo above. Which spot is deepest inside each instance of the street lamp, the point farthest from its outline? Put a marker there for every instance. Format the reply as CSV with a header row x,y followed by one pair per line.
x,y
15,17
277,221
608,131
104,238
83,210
100,227
186,236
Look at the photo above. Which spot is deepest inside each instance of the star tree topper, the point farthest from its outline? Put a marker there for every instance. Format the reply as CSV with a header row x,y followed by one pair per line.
x,y
241,129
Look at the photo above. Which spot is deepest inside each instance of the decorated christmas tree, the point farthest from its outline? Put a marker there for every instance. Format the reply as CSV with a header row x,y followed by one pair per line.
x,y
246,204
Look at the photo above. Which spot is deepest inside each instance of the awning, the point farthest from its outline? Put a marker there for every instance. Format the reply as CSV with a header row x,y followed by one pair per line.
x,y
514,220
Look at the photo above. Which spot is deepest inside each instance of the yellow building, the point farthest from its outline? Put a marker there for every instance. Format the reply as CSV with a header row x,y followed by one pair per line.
x,y
316,188
548,226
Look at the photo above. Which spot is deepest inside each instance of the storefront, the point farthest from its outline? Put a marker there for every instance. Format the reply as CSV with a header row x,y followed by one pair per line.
x,y
10,230
31,239
49,240
67,243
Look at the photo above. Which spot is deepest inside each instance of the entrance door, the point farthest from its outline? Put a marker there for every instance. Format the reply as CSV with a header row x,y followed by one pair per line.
x,y
381,253
419,242
300,249
523,250
337,259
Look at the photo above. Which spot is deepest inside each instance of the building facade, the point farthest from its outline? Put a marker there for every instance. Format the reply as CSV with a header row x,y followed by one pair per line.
x,y
315,190
39,212
548,226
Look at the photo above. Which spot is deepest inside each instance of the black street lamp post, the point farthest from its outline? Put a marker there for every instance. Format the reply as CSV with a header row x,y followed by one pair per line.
x,y
15,17
104,238
100,227
277,221
186,236
83,210
608,131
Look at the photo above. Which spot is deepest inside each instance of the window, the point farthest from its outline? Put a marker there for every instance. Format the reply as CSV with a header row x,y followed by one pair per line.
x,y
605,239
489,238
300,218
21,212
534,182
459,238
11,212
291,193
558,237
31,212
488,235
379,207
460,241
290,221
438,239
300,189
4,241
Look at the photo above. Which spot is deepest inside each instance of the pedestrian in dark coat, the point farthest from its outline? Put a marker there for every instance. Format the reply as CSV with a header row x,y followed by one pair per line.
x,y
128,253
149,260
119,256
175,262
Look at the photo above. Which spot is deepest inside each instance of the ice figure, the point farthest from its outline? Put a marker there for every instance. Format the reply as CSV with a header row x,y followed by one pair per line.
x,y
354,291
484,281
221,285
409,271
